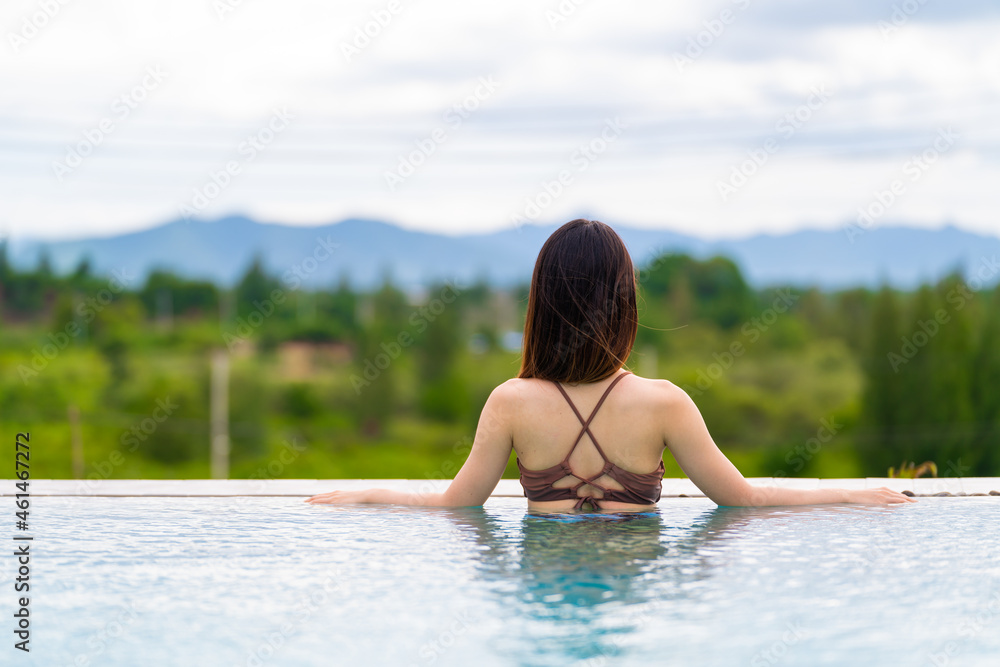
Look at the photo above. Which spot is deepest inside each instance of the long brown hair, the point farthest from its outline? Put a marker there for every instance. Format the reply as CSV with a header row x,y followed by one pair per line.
x,y
582,315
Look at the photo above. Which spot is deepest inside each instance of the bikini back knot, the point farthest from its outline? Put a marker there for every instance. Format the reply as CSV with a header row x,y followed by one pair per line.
x,y
639,488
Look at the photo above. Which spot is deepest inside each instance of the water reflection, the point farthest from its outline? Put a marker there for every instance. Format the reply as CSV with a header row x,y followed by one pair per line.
x,y
583,584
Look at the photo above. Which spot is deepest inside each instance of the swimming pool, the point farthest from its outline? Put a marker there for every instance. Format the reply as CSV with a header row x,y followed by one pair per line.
x,y
274,581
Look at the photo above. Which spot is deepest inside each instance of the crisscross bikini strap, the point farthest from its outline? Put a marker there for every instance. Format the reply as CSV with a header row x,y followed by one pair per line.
x,y
586,422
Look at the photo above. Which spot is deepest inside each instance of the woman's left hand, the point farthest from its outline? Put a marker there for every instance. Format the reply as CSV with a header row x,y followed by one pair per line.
x,y
340,497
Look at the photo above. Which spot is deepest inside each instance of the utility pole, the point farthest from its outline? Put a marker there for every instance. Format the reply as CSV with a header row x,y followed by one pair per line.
x,y
220,414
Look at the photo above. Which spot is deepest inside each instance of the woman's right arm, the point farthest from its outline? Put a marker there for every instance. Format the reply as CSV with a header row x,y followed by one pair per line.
x,y
688,439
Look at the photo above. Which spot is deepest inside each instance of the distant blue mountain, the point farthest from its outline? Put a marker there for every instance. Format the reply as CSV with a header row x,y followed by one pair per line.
x,y
366,251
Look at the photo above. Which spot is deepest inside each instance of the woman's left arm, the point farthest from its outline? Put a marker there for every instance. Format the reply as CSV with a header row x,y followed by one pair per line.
x,y
474,482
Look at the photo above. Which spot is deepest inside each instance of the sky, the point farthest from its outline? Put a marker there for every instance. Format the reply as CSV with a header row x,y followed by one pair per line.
x,y
719,119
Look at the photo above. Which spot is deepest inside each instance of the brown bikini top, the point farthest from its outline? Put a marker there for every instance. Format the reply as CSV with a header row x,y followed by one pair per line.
x,y
639,488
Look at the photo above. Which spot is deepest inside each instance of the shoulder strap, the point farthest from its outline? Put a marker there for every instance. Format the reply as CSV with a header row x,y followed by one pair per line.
x,y
586,422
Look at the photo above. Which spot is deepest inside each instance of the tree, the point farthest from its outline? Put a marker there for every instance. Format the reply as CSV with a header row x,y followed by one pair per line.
x,y
82,273
342,306
5,275
914,364
984,394
44,268
442,389
852,317
6,271
879,442
951,352
26,293
677,289
255,289
932,363
185,296
376,377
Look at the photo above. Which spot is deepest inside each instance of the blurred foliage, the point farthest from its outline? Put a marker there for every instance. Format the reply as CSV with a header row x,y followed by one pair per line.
x,y
910,470
387,383
932,367
166,296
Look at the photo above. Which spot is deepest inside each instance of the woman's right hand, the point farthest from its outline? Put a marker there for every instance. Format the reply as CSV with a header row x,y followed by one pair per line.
x,y
880,496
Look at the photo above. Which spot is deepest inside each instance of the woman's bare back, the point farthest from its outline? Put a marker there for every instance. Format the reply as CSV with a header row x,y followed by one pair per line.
x,y
625,427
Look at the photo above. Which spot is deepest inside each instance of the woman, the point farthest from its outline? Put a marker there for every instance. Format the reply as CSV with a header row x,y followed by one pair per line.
x,y
580,327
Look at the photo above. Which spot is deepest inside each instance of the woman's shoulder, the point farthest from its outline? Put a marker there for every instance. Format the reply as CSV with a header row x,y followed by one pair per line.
x,y
650,391
518,389
655,392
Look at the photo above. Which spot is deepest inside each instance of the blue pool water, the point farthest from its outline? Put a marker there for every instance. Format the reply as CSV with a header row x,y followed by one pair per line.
x,y
274,581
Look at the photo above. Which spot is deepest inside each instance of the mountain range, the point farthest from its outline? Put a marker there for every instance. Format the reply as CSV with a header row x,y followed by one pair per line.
x,y
368,251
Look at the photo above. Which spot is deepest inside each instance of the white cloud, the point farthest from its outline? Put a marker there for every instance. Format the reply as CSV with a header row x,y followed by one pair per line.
x,y
558,84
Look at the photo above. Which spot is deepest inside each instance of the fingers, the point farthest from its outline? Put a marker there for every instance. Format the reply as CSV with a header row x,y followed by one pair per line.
x,y
324,497
895,496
